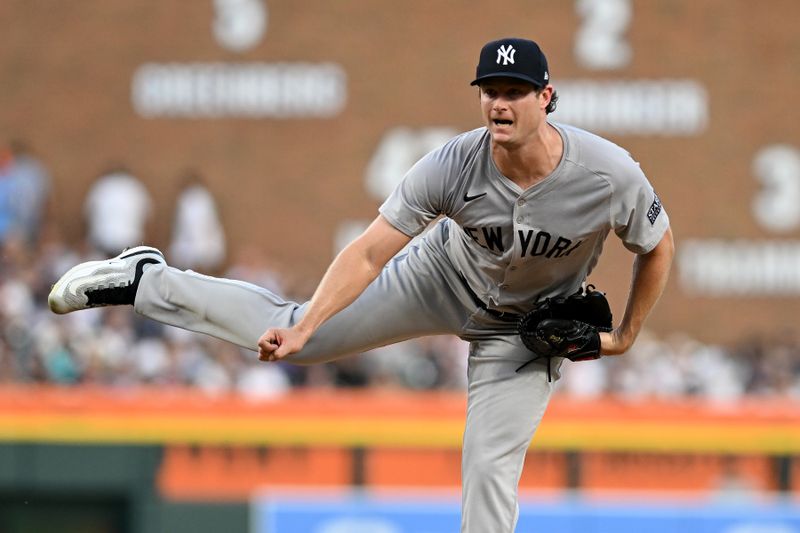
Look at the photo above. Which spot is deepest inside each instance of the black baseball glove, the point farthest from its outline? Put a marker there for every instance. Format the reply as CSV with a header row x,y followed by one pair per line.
x,y
567,327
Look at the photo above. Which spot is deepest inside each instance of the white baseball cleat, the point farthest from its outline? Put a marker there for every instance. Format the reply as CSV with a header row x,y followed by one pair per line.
x,y
98,283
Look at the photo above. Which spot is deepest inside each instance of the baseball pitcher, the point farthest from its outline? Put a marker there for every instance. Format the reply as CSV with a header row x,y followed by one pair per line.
x,y
526,205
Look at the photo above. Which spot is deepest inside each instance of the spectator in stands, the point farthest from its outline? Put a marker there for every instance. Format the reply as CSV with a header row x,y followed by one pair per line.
x,y
198,238
117,209
31,188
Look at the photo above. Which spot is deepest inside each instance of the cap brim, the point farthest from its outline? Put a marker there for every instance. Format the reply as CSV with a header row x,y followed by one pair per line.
x,y
514,75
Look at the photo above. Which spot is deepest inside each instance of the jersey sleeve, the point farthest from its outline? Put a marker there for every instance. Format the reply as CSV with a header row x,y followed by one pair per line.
x,y
637,216
422,195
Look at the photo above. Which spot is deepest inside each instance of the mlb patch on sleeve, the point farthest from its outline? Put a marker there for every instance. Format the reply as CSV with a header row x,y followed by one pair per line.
x,y
655,209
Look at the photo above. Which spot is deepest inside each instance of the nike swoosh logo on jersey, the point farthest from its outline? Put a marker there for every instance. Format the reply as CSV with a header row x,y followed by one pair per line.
x,y
468,198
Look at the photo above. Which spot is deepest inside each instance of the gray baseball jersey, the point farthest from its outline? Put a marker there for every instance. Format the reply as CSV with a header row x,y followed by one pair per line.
x,y
515,245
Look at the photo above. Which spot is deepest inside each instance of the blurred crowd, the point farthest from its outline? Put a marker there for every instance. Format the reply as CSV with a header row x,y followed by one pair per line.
x,y
116,347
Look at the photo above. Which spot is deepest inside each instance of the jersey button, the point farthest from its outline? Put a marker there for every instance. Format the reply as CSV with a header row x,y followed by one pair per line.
x,y
519,220
521,201
512,268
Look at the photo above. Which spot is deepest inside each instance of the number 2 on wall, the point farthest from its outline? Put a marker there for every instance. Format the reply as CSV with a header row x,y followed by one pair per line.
x,y
600,42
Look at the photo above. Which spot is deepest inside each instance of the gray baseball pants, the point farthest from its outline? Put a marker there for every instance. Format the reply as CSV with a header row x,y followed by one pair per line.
x,y
418,293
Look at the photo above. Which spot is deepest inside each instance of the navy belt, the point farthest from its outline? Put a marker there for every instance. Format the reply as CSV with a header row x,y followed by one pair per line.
x,y
500,315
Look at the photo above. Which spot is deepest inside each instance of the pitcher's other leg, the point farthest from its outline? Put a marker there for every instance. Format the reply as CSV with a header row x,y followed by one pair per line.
x,y
411,297
230,310
503,410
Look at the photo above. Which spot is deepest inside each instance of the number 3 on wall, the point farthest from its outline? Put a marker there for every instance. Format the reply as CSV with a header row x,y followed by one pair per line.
x,y
600,42
777,205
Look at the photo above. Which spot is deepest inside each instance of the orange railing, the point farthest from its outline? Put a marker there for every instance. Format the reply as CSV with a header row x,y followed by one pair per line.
x,y
384,418
224,447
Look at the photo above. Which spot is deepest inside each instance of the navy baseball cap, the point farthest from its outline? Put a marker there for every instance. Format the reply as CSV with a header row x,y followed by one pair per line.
x,y
512,58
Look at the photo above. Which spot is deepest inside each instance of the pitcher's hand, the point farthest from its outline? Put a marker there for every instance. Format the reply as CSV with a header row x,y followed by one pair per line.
x,y
277,343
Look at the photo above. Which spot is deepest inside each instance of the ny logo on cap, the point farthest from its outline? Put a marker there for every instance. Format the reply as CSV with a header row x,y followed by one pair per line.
x,y
506,53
